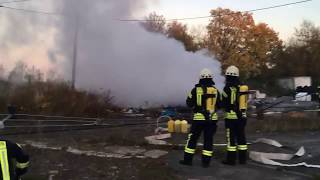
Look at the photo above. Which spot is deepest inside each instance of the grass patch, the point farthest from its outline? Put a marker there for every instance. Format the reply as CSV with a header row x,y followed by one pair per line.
x,y
286,122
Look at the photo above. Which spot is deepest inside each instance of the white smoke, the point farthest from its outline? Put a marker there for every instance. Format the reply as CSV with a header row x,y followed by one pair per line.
x,y
25,36
137,66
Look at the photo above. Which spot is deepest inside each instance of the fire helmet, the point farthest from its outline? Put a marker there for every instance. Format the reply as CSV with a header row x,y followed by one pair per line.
x,y
232,71
205,73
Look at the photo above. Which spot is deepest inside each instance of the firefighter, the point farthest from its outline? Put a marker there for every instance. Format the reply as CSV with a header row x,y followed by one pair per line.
x,y
318,94
234,99
14,161
203,99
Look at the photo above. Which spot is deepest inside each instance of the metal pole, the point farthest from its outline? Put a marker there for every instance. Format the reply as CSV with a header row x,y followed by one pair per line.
x,y
75,50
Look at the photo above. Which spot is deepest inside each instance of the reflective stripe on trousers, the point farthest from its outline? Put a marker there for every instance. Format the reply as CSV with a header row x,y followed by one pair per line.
x,y
4,161
229,146
242,147
208,128
189,150
235,134
207,153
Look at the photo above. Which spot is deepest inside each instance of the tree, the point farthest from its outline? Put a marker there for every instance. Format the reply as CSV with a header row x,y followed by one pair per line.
x,y
200,36
17,74
302,55
2,71
33,75
179,32
308,34
235,39
155,23
22,73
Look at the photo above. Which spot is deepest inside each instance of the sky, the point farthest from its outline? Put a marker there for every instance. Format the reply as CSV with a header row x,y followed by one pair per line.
x,y
282,20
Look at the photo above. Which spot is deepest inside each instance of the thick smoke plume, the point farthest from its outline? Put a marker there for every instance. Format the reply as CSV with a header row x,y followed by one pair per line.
x,y
25,36
137,66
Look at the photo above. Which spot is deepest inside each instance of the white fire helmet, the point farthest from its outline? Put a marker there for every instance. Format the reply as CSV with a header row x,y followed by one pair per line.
x,y
205,73
232,71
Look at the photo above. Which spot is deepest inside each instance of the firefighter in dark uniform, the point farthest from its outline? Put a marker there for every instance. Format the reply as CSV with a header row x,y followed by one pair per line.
x,y
318,95
203,99
14,162
234,100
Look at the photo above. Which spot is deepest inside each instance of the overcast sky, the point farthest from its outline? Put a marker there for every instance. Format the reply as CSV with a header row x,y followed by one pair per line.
x,y
282,20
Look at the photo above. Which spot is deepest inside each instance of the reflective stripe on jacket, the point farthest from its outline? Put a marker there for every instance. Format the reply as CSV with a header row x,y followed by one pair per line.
x,y
204,101
230,102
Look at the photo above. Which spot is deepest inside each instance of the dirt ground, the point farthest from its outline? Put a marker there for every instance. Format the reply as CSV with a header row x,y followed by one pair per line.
x,y
56,156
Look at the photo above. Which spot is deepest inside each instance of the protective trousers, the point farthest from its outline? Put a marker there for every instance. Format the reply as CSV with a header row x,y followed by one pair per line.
x,y
236,140
209,128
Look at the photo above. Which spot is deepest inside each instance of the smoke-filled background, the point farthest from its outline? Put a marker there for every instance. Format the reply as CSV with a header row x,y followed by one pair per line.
x,y
138,67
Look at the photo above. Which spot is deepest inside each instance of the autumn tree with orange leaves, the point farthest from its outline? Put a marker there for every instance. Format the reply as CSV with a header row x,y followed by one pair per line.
x,y
179,32
157,24
235,39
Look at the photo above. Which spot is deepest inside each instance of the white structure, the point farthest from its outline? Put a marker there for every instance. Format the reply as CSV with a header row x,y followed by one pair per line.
x,y
302,81
303,96
294,82
256,94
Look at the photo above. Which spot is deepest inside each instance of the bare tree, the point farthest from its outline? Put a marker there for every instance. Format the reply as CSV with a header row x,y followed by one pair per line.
x,y
2,71
155,23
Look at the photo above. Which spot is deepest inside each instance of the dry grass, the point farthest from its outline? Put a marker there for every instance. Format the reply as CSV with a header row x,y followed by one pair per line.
x,y
286,122
54,98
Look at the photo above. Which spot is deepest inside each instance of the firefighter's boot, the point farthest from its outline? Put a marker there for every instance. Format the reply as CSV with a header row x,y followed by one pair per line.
x,y
242,156
206,161
231,158
187,160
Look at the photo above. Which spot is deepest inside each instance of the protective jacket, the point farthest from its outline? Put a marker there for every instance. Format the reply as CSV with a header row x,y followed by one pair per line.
x,y
204,99
14,162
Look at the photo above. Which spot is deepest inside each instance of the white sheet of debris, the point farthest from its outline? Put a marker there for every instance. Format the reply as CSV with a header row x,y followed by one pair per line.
x,y
158,139
121,152
268,158
155,153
